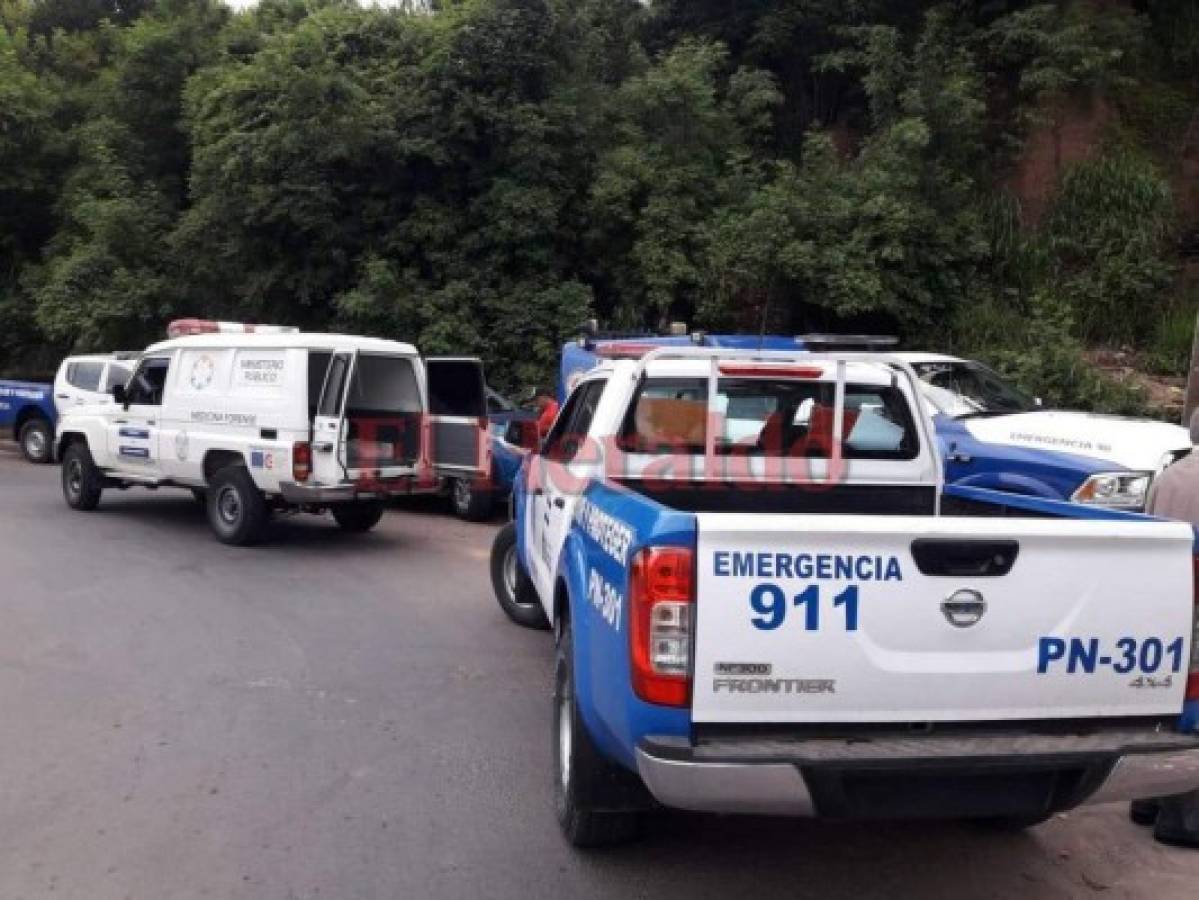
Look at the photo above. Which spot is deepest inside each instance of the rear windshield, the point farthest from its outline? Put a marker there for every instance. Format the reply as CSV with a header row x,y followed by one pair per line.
x,y
769,417
383,384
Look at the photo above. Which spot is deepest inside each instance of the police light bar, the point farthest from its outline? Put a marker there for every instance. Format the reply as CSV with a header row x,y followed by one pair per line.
x,y
187,327
849,341
623,350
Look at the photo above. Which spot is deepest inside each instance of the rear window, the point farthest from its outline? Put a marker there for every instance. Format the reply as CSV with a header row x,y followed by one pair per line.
x,y
383,384
770,417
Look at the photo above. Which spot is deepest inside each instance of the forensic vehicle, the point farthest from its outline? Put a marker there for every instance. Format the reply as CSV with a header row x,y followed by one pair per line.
x,y
257,418
765,600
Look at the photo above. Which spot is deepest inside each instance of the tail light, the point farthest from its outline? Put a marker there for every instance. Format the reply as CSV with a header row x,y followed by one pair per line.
x,y
1193,678
301,460
661,622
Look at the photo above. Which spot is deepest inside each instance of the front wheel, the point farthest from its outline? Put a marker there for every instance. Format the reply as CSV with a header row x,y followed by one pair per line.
x,y
584,782
237,511
82,482
513,588
358,517
37,440
470,500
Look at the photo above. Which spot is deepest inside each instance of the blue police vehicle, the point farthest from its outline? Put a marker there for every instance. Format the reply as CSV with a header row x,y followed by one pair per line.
x,y
765,599
27,413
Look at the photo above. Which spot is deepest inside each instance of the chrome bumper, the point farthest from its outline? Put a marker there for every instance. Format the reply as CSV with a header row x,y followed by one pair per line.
x,y
767,777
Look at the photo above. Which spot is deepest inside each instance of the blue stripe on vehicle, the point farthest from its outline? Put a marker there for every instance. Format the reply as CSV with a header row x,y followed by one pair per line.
x,y
136,452
138,433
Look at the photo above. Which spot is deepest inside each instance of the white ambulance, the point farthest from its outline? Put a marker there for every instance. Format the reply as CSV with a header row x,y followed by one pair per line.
x,y
259,418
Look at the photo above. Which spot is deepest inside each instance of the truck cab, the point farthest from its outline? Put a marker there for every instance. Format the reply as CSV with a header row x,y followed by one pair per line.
x,y
272,419
765,600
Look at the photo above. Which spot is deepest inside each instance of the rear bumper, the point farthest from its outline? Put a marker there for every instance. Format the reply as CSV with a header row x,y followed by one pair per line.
x,y
918,777
330,494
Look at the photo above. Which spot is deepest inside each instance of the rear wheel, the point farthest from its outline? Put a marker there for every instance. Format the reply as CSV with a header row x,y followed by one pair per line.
x,y
583,780
82,482
37,440
513,588
470,500
237,511
358,517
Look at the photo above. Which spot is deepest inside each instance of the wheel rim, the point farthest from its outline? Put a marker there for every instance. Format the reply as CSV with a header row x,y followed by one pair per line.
x,y
228,506
75,478
35,442
510,573
461,494
565,739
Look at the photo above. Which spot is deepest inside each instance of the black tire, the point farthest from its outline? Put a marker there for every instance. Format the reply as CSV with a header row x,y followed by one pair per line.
x,y
513,588
237,511
358,517
82,483
37,440
470,500
583,780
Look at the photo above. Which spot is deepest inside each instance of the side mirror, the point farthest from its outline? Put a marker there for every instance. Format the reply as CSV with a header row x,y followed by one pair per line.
x,y
118,394
522,433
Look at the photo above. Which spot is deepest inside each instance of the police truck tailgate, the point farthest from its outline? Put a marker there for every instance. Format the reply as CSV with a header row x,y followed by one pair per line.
x,y
860,619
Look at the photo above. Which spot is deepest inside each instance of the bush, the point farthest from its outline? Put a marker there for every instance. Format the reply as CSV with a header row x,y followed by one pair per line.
x,y
1036,349
1169,351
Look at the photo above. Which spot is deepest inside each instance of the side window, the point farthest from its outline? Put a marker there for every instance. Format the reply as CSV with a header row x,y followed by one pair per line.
x,y
85,375
117,374
573,422
146,386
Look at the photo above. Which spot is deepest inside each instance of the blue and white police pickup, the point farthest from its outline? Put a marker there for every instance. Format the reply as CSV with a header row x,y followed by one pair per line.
x,y
765,600
995,436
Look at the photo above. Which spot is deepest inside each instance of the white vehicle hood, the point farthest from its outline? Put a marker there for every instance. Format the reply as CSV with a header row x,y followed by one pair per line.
x,y
1126,442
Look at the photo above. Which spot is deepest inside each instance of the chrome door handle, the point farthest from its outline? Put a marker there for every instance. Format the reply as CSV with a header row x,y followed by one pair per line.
x,y
961,458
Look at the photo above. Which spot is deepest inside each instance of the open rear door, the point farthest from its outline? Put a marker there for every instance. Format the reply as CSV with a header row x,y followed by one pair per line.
x,y
329,431
458,440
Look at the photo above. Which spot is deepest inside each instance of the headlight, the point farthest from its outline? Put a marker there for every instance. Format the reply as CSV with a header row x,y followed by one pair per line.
x,y
1118,490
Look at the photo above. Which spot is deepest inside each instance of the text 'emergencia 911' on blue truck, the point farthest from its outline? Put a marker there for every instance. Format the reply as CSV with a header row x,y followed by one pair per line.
x,y
765,600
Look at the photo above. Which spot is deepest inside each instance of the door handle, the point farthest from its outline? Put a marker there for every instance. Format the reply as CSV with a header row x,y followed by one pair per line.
x,y
151,422
63,396
559,502
323,448
120,421
961,458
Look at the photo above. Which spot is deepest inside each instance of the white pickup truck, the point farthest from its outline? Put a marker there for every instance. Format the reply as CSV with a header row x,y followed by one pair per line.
x,y
765,600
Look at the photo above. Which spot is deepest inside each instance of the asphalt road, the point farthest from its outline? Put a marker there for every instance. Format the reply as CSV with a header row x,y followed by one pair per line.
x,y
329,716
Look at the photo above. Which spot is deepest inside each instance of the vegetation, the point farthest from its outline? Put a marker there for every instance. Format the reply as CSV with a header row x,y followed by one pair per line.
x,y
483,175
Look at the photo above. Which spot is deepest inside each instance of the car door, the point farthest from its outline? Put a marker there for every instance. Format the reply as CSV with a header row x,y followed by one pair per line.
x,y
329,430
80,384
133,429
561,472
458,426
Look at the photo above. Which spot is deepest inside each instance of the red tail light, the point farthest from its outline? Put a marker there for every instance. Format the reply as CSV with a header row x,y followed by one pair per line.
x,y
661,621
1193,678
769,370
301,460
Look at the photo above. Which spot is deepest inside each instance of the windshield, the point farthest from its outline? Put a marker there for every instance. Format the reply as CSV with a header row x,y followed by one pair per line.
x,y
959,389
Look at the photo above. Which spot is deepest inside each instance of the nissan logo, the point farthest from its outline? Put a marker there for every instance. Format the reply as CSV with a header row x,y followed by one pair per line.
x,y
963,608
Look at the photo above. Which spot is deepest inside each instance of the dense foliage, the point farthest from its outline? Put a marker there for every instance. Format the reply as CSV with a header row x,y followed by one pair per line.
x,y
483,175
